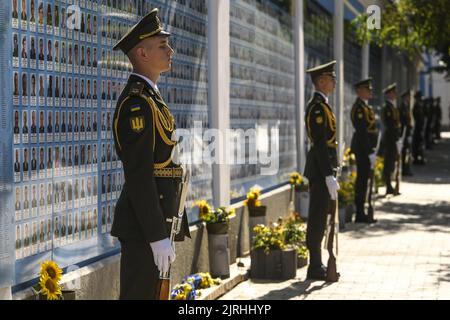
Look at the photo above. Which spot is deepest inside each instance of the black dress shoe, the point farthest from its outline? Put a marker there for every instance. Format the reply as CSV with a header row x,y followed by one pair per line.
x,y
317,273
390,191
362,219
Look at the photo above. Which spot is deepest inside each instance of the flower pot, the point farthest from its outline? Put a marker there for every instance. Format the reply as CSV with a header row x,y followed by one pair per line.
x,y
219,251
302,204
257,211
301,262
217,228
276,264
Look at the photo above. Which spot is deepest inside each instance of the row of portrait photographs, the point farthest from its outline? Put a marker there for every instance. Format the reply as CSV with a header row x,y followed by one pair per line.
x,y
36,200
263,31
239,111
66,56
188,72
252,56
257,96
187,96
187,25
60,130
53,90
81,20
56,162
190,49
47,233
266,78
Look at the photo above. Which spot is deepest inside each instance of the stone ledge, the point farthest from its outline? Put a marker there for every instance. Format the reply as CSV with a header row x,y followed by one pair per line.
x,y
237,275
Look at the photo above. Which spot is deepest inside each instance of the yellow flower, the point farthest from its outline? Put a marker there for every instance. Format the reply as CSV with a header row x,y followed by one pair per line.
x,y
49,287
52,270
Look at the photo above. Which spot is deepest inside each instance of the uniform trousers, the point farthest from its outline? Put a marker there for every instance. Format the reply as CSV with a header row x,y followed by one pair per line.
x,y
317,220
138,272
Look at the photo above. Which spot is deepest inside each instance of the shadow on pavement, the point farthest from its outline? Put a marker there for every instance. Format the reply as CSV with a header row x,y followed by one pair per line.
x,y
411,216
299,289
437,168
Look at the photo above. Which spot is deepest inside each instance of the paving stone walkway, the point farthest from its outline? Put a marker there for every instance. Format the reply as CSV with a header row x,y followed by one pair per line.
x,y
406,255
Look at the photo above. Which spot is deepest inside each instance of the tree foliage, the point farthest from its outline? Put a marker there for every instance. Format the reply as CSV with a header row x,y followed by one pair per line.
x,y
412,26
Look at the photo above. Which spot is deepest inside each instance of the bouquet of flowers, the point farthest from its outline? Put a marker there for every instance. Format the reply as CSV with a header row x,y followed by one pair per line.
x,y
189,286
218,215
49,279
183,291
253,197
349,158
201,280
298,182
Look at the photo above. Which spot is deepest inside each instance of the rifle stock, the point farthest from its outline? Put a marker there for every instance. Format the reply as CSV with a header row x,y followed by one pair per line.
x,y
397,176
332,274
163,289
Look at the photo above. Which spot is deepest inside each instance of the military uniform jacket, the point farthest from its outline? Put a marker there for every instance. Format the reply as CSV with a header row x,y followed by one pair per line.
x,y
405,120
320,124
419,116
143,127
364,138
390,117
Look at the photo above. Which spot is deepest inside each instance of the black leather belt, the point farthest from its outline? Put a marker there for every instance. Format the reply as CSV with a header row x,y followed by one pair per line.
x,y
168,173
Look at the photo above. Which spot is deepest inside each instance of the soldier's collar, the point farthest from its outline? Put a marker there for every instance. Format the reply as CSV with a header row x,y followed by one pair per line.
x,y
149,82
366,102
322,95
393,102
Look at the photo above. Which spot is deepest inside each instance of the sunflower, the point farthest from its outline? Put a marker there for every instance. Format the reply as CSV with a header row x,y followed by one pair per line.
x,y
49,288
52,270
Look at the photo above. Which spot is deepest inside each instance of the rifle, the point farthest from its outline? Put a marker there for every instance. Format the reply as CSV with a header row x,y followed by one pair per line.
x,y
163,285
370,210
399,167
332,274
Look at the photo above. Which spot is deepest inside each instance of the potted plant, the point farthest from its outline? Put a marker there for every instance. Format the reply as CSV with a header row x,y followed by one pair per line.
x,y
348,162
300,185
295,237
256,212
270,257
49,287
346,198
217,224
378,174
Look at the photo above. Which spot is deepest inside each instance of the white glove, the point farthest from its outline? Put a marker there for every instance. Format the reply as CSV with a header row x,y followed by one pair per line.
x,y
372,159
163,254
399,146
333,186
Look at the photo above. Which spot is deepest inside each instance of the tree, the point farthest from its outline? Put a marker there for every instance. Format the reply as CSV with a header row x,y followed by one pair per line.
x,y
412,26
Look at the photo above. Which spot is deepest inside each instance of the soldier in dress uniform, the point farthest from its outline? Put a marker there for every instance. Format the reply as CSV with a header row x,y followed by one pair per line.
x,y
418,136
321,163
143,136
406,123
392,146
437,118
363,144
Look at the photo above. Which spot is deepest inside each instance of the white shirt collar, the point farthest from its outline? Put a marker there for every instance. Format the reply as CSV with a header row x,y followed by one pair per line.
x,y
366,102
150,82
323,95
